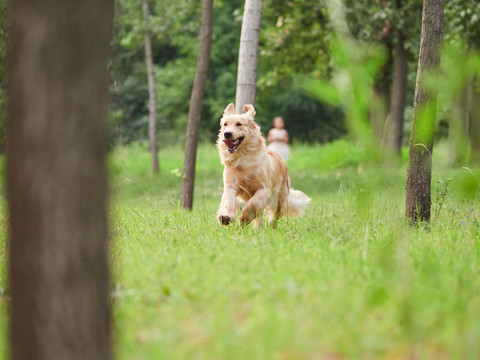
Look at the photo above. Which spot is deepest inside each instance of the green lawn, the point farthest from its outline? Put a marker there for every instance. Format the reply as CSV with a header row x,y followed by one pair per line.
x,y
350,280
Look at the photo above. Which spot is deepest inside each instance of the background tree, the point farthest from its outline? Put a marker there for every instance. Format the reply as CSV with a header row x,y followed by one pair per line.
x,y
248,54
195,111
462,37
394,126
396,26
56,179
152,117
419,169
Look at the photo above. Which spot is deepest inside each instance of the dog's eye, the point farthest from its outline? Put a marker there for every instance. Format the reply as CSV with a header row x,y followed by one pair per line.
x,y
239,124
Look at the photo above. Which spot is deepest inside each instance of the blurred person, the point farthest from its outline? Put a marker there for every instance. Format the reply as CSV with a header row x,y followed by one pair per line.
x,y
278,138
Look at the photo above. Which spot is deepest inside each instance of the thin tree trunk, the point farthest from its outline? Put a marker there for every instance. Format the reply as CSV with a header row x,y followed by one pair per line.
x,y
152,112
57,180
419,169
195,110
248,54
399,94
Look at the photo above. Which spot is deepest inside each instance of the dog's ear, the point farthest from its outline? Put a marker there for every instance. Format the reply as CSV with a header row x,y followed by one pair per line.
x,y
229,110
249,109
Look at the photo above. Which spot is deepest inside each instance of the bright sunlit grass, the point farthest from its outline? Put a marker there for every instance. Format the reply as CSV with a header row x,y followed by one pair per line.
x,y
349,280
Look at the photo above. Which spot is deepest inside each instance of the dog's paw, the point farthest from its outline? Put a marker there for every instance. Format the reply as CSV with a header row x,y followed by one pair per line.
x,y
225,219
246,217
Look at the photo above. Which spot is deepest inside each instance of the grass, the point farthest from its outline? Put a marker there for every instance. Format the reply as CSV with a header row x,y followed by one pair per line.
x,y
350,280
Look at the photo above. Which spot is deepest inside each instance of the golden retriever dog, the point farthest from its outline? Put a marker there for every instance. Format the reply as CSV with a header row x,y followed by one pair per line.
x,y
254,175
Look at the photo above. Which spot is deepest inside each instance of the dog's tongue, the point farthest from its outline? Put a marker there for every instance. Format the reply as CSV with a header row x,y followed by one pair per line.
x,y
231,143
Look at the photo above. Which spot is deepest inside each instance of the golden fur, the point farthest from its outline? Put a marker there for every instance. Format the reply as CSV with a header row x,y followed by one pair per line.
x,y
255,175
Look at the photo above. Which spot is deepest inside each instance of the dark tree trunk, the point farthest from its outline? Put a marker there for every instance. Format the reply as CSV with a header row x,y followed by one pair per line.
x,y
195,110
419,169
152,112
248,54
399,94
56,179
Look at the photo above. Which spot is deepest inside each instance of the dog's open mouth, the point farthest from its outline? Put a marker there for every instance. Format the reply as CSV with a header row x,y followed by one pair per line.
x,y
233,144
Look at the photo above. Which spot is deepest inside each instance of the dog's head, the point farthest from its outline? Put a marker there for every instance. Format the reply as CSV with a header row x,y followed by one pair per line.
x,y
235,128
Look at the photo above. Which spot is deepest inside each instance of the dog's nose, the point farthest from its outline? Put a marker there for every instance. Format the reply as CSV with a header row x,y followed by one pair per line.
x,y
228,135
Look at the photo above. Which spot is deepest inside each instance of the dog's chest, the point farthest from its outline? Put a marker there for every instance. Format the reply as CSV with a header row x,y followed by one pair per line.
x,y
248,182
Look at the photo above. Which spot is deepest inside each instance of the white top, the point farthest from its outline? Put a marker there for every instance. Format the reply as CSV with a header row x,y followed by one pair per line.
x,y
280,147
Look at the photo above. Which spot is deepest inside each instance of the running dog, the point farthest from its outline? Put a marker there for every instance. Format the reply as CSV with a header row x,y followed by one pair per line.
x,y
253,174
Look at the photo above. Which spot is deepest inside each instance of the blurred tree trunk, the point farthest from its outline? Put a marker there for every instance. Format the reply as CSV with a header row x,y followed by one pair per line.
x,y
474,117
195,110
248,54
458,128
381,98
419,169
56,179
394,134
152,112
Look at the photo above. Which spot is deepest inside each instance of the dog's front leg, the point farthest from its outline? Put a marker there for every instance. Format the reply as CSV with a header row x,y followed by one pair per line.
x,y
255,207
226,212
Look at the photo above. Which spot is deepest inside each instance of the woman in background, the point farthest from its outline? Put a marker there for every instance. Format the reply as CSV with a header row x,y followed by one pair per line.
x,y
278,138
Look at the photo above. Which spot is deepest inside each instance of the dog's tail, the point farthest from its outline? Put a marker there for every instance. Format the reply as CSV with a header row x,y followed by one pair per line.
x,y
297,202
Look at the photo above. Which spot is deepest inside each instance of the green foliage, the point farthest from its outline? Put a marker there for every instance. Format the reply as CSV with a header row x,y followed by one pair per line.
x,y
306,118
384,21
174,27
295,44
351,84
294,40
462,23
300,34
459,65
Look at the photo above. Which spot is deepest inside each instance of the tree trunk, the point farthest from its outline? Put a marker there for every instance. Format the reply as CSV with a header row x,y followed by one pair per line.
x,y
399,94
474,117
195,110
419,169
152,112
57,180
248,54
381,98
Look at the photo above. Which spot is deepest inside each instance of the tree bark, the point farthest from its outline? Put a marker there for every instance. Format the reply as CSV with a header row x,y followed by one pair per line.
x,y
195,110
57,180
419,168
152,112
399,94
248,54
